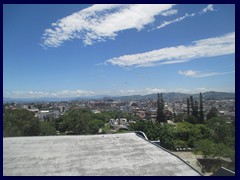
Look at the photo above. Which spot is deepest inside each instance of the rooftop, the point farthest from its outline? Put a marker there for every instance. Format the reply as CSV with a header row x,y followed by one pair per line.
x,y
111,154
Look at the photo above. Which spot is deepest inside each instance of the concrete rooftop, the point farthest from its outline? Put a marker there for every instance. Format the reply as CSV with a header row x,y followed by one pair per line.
x,y
104,155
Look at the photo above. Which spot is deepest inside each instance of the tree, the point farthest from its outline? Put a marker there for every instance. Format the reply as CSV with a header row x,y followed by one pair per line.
x,y
206,147
179,117
160,110
195,112
167,136
182,130
192,119
95,125
201,113
212,113
47,128
188,106
222,150
192,105
20,122
220,130
197,133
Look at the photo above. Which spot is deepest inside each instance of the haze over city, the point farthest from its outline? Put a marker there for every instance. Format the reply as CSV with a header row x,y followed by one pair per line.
x,y
87,50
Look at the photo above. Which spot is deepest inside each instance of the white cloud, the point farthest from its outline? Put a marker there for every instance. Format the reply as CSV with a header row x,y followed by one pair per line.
x,y
169,12
39,94
146,91
210,47
196,74
205,10
154,90
208,8
165,23
100,22
188,72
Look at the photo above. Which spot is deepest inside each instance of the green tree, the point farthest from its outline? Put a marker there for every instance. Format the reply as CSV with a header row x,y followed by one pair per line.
x,y
194,107
212,113
206,147
95,125
192,119
179,117
20,122
167,136
47,128
76,120
180,144
201,113
222,150
188,106
197,133
183,130
63,126
160,110
220,130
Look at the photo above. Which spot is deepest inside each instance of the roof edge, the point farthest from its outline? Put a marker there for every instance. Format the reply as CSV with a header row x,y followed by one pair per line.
x,y
146,139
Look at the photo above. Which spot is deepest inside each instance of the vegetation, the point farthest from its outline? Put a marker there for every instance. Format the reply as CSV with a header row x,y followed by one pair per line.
x,y
106,129
188,106
216,138
212,113
160,110
201,113
211,137
47,129
20,122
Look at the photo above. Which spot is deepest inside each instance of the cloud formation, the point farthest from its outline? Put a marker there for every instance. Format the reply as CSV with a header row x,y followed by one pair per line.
x,y
169,12
44,94
210,47
205,10
208,8
165,23
197,74
100,22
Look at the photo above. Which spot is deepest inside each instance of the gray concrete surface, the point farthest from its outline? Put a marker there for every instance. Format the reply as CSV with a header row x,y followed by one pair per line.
x,y
110,155
188,157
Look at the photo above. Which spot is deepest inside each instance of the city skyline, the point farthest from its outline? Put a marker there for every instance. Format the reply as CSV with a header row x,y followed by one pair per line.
x,y
87,50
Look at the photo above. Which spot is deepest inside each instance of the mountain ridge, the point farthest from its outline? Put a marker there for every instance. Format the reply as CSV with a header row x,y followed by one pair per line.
x,y
167,96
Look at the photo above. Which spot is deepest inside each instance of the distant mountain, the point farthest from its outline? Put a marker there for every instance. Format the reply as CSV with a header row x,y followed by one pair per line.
x,y
178,96
218,95
91,97
167,96
27,100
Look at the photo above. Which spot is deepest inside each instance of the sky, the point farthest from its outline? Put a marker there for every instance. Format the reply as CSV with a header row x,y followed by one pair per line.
x,y
115,49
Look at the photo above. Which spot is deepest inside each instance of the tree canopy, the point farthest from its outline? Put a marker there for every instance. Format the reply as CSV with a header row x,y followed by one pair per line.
x,y
160,109
20,122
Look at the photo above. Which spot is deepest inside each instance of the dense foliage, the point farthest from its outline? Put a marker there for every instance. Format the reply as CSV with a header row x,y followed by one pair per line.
x,y
20,122
47,129
213,138
216,138
160,110
82,121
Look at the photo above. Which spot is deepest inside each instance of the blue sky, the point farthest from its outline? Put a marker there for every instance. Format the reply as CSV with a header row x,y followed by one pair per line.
x,y
84,50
